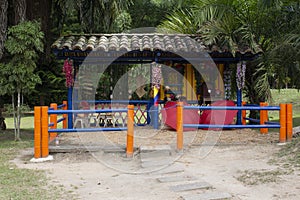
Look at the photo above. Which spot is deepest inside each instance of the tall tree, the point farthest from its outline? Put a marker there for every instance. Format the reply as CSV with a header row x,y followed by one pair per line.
x,y
19,11
3,24
17,76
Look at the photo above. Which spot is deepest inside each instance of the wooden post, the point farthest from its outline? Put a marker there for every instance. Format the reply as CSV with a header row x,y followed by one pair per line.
x,y
282,118
179,126
65,122
37,131
130,133
53,119
289,121
263,118
243,114
45,135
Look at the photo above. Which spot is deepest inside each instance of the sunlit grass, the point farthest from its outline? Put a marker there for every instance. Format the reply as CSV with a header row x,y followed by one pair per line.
x,y
286,96
27,122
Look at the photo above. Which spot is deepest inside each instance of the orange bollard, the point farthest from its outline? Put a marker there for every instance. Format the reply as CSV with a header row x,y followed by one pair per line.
x,y
179,126
282,118
65,122
53,119
243,114
289,121
45,135
130,133
263,118
37,131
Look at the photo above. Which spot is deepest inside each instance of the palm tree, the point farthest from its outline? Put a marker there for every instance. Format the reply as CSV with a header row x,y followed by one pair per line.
x,y
100,15
261,25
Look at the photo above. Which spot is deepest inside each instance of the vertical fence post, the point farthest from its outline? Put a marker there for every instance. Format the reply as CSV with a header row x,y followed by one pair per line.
x,y
263,118
65,116
239,104
243,114
179,126
53,120
37,132
70,107
282,118
289,121
130,132
45,135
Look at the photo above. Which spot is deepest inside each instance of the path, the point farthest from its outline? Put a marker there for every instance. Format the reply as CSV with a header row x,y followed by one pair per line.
x,y
213,176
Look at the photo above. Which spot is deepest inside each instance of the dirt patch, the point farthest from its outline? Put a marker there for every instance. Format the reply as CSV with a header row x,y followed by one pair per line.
x,y
148,136
233,161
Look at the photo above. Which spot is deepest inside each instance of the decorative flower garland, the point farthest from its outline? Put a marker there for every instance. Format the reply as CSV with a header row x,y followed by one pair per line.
x,y
240,75
156,75
68,70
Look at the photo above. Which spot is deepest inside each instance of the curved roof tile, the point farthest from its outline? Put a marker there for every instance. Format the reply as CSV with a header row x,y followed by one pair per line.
x,y
175,43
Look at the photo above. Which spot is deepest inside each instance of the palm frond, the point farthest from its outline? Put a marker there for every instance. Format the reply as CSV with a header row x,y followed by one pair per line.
x,y
180,21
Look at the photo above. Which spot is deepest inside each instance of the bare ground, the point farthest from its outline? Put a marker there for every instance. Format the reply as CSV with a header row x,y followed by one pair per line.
x,y
232,161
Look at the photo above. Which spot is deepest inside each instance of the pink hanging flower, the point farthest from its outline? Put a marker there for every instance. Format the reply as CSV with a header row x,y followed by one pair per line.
x,y
68,70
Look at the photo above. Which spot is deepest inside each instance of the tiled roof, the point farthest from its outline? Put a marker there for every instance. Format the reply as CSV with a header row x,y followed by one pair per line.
x,y
147,47
129,42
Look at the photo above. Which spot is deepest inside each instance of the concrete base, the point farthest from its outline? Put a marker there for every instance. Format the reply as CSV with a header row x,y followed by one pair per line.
x,y
177,178
281,143
190,186
39,160
208,196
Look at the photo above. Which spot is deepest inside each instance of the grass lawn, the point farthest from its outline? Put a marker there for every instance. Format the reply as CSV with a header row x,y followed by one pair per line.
x,y
286,96
16,183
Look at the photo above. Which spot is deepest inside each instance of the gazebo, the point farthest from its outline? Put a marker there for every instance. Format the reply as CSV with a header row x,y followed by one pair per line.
x,y
177,51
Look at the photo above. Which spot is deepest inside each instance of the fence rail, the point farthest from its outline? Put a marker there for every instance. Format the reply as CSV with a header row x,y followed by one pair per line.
x,y
285,123
46,130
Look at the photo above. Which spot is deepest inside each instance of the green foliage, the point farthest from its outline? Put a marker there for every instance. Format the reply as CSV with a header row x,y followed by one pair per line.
x,y
24,42
9,109
150,13
181,21
123,22
268,26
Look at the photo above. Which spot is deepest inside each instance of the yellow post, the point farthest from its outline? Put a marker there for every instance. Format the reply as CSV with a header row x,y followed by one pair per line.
x,y
219,81
289,121
130,136
45,135
53,119
65,122
282,118
179,126
37,131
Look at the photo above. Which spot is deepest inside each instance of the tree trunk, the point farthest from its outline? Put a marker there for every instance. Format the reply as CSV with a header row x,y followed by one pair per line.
x,y
14,114
19,10
3,24
18,115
